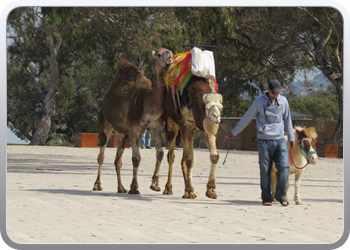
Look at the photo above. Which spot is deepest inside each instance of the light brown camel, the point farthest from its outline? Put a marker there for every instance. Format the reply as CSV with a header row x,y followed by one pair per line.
x,y
132,104
197,108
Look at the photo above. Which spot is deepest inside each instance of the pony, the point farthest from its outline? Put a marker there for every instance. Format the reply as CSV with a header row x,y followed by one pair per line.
x,y
302,154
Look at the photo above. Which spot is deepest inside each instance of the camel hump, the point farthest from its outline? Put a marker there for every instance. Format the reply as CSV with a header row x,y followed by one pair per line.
x,y
128,74
126,68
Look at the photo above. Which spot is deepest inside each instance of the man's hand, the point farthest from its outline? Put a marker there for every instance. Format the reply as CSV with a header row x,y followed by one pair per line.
x,y
230,135
292,143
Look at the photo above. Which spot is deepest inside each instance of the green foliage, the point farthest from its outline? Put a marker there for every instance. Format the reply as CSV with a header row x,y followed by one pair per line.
x,y
236,106
55,15
322,104
59,140
23,110
252,46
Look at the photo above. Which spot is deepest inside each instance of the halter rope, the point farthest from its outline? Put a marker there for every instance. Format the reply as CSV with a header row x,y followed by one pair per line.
x,y
228,148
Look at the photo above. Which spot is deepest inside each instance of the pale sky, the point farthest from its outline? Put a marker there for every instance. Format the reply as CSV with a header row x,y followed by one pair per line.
x,y
12,138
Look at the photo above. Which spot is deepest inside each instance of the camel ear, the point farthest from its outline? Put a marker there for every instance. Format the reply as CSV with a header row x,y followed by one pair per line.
x,y
220,98
153,53
204,96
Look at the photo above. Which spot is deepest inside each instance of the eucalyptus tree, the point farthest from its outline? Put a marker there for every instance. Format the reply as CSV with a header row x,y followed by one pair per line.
x,y
53,48
37,51
60,59
274,42
247,52
321,40
294,38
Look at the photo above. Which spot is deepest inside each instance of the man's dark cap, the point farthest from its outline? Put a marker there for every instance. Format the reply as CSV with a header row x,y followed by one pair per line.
x,y
275,86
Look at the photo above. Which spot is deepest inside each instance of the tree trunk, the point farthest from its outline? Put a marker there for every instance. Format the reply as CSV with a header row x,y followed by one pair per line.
x,y
337,138
42,131
336,79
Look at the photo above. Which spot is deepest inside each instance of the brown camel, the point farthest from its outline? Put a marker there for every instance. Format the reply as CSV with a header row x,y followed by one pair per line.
x,y
197,108
131,105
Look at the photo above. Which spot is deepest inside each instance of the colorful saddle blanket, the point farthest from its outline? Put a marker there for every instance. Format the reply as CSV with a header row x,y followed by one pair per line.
x,y
180,72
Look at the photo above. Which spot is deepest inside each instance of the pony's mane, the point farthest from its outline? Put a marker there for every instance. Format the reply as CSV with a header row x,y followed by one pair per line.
x,y
309,132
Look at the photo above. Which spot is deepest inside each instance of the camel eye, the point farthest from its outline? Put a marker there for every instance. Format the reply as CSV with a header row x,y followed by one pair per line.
x,y
159,55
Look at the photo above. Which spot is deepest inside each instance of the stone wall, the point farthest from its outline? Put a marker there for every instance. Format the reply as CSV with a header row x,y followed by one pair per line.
x,y
246,140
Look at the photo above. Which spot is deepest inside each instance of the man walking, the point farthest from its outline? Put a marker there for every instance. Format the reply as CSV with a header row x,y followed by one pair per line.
x,y
146,139
272,117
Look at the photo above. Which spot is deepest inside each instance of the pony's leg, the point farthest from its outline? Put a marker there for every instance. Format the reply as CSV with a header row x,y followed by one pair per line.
x,y
187,132
287,188
171,132
121,138
136,159
105,131
274,178
298,175
157,137
210,140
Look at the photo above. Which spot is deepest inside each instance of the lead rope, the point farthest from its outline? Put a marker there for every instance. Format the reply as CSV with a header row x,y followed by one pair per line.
x,y
292,159
228,148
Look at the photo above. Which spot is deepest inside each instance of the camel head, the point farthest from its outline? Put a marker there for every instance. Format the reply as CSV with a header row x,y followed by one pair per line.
x,y
162,58
213,106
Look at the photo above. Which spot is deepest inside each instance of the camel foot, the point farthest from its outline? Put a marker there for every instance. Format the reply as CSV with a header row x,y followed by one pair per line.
x,y
298,202
97,187
211,194
189,195
122,190
134,188
155,183
134,191
168,191
155,188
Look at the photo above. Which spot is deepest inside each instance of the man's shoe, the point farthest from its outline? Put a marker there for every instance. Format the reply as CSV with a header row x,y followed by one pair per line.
x,y
149,147
142,147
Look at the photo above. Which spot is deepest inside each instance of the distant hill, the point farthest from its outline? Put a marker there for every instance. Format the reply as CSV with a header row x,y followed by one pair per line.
x,y
319,82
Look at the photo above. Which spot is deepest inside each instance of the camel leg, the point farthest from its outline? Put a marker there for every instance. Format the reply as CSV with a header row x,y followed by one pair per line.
x,y
171,131
298,176
214,158
105,131
157,137
121,138
187,160
136,159
274,178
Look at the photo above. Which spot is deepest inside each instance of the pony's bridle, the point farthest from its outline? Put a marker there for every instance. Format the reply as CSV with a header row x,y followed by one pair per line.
x,y
302,149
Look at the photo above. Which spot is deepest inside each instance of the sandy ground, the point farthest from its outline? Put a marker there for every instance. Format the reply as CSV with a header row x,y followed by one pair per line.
x,y
50,200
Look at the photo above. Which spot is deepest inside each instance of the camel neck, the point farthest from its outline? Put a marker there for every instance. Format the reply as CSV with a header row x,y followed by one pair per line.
x,y
159,79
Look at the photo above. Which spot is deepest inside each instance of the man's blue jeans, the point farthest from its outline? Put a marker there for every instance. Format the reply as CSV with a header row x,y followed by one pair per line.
x,y
273,151
146,139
